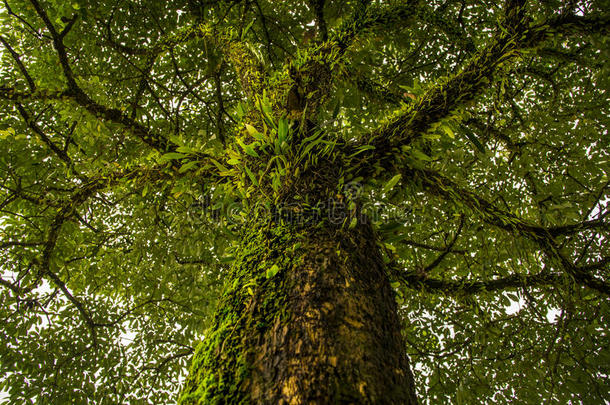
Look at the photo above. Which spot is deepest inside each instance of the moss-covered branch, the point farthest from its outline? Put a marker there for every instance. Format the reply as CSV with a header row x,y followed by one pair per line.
x,y
304,84
468,286
514,35
247,67
194,158
114,115
245,64
440,185
543,237
413,120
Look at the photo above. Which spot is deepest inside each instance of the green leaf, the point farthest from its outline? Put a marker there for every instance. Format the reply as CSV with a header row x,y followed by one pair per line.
x,y
186,149
245,30
448,131
252,131
172,156
220,167
362,149
251,175
472,138
248,149
418,154
188,166
282,129
353,223
390,184
272,271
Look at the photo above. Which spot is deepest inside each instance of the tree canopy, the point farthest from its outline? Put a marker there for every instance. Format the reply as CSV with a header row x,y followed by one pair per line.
x,y
136,136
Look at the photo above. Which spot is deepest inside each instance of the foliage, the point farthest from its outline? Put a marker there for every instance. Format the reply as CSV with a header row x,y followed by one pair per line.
x,y
135,137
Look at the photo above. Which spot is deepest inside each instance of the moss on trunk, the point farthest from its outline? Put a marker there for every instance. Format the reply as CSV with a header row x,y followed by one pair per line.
x,y
322,329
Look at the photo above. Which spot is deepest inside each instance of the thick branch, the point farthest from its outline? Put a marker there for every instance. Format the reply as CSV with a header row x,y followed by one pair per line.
x,y
81,98
114,115
309,80
318,10
413,120
58,45
440,185
544,237
582,25
457,287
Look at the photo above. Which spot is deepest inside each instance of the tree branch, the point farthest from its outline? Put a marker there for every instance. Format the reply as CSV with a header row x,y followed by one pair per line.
x,y
543,237
413,120
448,249
440,185
158,142
317,7
34,127
67,211
74,92
458,287
307,82
59,47
430,247
17,58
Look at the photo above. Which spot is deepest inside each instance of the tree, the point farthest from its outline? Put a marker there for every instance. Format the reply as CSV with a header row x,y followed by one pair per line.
x,y
345,202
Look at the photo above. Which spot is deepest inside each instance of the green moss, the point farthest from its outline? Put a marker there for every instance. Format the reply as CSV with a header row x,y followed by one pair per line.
x,y
251,303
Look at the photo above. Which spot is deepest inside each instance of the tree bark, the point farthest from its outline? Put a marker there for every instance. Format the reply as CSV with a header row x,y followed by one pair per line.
x,y
324,329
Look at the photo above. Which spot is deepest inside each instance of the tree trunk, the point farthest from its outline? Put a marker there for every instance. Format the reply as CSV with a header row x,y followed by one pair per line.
x,y
322,330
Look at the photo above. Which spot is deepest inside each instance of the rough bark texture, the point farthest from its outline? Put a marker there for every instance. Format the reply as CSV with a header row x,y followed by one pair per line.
x,y
322,330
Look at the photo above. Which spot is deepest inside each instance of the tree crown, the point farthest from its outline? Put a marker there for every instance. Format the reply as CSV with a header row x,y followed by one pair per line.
x,y
137,137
